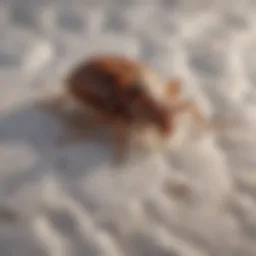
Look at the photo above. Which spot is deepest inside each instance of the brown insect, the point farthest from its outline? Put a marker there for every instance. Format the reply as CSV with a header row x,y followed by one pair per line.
x,y
127,95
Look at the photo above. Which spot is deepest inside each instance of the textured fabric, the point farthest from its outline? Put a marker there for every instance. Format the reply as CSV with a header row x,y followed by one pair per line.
x,y
196,199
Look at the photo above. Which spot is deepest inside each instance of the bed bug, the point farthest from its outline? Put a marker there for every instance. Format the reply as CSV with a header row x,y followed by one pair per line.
x,y
128,95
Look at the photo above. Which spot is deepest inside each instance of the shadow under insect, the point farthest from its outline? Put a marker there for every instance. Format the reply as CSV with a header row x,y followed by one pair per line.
x,y
42,126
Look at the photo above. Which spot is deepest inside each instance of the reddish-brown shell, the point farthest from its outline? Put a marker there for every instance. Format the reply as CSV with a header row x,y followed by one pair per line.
x,y
112,86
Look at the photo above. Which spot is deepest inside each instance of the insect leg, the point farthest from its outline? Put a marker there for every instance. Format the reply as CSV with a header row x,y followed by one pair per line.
x,y
121,141
191,107
173,88
78,128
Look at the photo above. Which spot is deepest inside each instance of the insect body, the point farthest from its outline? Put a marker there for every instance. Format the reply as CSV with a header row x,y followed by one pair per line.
x,y
126,94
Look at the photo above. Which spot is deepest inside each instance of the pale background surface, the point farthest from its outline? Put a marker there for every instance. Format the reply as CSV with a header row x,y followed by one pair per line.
x,y
70,201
